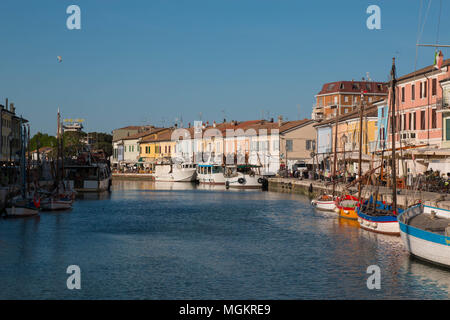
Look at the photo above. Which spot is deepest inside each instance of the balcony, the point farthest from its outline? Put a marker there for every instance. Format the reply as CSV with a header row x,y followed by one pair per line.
x,y
442,105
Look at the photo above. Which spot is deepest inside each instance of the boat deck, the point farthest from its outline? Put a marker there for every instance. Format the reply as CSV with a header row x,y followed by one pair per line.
x,y
425,222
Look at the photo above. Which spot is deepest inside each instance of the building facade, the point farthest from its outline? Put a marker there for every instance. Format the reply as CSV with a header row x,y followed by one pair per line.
x,y
345,96
10,133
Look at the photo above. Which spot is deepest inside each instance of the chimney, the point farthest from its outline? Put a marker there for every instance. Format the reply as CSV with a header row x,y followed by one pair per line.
x,y
271,120
6,104
280,120
224,120
189,125
214,123
176,125
12,108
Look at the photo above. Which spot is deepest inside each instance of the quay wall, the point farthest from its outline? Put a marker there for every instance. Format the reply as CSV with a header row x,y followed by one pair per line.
x,y
133,176
405,198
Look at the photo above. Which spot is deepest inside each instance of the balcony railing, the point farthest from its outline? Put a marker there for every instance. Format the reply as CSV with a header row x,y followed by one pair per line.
x,y
442,104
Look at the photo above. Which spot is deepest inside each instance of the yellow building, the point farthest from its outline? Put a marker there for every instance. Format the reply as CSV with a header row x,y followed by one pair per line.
x,y
157,146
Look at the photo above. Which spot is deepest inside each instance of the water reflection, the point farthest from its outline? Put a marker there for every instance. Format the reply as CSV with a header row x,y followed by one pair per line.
x,y
185,241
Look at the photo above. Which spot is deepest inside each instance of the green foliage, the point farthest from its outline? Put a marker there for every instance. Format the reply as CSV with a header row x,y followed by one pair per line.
x,y
43,139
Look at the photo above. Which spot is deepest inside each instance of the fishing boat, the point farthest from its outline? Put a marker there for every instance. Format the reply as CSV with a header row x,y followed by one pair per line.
x,y
210,173
375,215
180,172
243,176
324,202
346,207
378,217
425,231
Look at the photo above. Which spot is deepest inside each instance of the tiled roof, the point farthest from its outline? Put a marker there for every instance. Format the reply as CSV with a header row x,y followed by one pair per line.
x,y
369,111
354,87
422,71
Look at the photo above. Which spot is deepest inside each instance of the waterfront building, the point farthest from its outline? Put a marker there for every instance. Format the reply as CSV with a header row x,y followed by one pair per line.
x,y
156,146
422,118
264,143
345,96
122,134
9,132
348,135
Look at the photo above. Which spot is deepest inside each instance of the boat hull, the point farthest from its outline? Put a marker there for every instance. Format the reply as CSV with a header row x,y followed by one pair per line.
x,y
425,245
244,182
324,205
56,204
385,224
345,211
17,212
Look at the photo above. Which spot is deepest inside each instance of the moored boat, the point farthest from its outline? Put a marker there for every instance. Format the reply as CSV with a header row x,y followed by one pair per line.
x,y
378,217
425,231
22,207
243,176
210,173
180,172
324,202
346,207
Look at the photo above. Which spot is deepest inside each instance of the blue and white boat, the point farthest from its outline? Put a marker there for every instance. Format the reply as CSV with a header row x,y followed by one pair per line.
x,y
379,219
425,231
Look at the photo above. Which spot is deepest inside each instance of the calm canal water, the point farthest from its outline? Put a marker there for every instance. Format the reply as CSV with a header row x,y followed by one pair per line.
x,y
178,241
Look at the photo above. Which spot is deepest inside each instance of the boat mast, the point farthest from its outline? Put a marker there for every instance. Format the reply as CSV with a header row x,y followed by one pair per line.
x,y
393,121
361,112
335,150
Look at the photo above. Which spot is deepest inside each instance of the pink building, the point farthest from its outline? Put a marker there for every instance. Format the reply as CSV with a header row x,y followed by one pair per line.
x,y
419,107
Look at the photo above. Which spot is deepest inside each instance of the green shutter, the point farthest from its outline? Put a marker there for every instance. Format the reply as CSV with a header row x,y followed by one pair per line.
x,y
447,129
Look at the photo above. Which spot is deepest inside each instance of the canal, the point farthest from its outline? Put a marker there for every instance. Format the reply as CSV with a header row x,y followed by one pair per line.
x,y
147,240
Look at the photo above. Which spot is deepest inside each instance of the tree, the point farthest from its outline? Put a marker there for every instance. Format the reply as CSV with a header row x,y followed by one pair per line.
x,y
43,139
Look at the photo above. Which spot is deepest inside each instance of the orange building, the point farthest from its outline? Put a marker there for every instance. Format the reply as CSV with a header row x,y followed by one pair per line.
x,y
345,96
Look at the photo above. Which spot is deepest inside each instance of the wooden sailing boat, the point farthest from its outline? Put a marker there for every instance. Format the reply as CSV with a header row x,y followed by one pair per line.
x,y
327,202
374,215
23,205
59,198
346,204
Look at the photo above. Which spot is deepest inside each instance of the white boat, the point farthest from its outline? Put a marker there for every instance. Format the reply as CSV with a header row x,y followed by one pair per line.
x,y
180,172
425,231
210,173
94,177
325,202
22,207
57,202
242,176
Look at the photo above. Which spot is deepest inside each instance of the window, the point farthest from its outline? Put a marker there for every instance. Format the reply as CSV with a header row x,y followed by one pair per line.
x,y
370,99
403,94
409,121
433,87
425,85
421,90
169,149
276,145
289,145
422,120
345,99
433,119
413,92
414,121
310,144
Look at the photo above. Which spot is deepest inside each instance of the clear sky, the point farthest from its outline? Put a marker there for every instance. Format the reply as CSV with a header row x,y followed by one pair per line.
x,y
149,62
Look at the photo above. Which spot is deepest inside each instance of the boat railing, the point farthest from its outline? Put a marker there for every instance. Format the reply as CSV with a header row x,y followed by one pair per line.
x,y
411,212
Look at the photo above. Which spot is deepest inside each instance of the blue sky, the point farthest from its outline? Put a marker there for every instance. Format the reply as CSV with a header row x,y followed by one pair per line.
x,y
149,62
